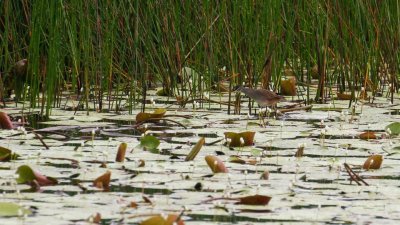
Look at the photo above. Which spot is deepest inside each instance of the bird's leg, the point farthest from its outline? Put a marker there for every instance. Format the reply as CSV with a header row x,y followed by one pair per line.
x,y
261,114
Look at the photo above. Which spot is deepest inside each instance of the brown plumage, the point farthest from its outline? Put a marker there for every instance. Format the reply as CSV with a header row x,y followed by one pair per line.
x,y
262,96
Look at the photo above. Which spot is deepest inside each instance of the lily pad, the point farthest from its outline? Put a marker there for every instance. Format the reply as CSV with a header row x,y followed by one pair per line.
x,y
31,177
157,114
235,138
216,164
8,209
7,155
149,142
373,162
394,128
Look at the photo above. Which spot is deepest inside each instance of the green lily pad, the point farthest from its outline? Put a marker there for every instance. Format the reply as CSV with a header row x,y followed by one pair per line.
x,y
394,128
149,142
8,209
26,174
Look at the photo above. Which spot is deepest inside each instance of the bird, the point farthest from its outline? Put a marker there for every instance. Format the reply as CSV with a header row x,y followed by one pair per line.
x,y
263,97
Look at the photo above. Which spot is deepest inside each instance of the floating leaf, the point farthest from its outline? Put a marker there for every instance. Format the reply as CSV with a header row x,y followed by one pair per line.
x,y
342,96
394,128
159,220
373,162
237,159
121,152
8,209
174,219
248,138
288,87
149,142
103,181
28,176
7,155
154,220
195,150
367,135
5,122
216,164
143,116
254,200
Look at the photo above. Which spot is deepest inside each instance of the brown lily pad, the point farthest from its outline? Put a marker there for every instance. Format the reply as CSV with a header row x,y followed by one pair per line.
x,y
248,138
373,162
216,164
367,135
254,200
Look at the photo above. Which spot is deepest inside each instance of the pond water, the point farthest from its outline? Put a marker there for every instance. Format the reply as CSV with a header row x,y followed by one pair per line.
x,y
314,188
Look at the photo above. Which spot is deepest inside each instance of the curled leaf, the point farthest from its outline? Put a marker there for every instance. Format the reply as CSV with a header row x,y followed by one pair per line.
x,y
121,152
195,150
5,122
103,181
373,162
143,116
28,176
7,155
234,138
216,164
367,135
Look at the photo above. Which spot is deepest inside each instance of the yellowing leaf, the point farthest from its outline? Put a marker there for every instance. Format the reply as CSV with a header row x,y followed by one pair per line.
x,y
373,162
7,155
216,164
143,116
